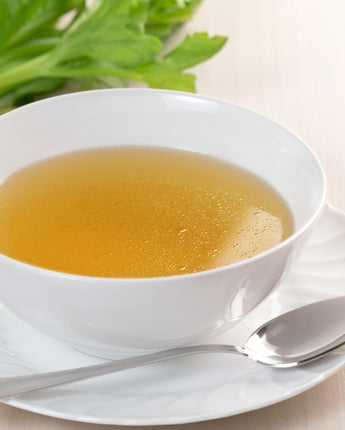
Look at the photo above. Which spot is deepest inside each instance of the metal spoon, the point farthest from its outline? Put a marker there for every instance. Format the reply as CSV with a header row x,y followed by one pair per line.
x,y
292,339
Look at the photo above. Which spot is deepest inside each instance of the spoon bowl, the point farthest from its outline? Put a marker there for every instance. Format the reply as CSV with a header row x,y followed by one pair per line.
x,y
289,340
299,336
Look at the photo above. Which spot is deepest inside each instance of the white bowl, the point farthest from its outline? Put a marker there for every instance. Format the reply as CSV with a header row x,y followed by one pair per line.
x,y
111,317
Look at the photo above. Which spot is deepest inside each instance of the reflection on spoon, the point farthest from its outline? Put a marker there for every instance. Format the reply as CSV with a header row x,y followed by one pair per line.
x,y
292,339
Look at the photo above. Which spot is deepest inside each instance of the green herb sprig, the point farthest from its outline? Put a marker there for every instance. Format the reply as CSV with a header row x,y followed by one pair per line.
x,y
105,44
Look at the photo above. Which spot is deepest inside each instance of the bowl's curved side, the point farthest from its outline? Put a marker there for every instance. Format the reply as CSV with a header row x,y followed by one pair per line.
x,y
120,317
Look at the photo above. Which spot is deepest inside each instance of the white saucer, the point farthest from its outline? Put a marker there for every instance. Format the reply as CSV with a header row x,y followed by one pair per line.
x,y
193,388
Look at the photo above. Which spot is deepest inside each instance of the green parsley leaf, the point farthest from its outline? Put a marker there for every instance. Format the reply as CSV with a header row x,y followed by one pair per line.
x,y
106,43
106,32
166,15
20,19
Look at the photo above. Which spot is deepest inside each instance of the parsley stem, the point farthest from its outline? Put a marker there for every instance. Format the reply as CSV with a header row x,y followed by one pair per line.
x,y
32,69
59,72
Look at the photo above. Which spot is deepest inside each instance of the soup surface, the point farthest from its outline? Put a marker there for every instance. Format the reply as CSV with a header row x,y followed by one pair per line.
x,y
137,212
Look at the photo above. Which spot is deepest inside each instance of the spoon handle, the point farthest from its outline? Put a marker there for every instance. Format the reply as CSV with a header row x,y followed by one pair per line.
x,y
15,385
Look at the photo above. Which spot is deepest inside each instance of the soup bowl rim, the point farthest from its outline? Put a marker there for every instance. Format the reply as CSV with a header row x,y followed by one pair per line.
x,y
233,266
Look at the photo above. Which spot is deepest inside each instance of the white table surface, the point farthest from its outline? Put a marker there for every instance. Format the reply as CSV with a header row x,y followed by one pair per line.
x,y
286,60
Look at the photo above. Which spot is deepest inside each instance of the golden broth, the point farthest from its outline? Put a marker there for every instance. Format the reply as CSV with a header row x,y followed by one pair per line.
x,y
137,212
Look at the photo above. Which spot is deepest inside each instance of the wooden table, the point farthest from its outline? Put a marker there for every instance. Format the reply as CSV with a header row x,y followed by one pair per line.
x,y
286,60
